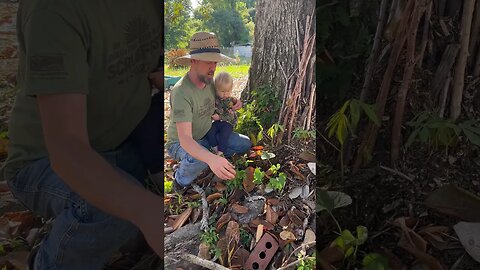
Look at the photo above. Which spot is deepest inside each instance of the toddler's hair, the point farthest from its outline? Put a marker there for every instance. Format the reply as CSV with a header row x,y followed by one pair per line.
x,y
223,80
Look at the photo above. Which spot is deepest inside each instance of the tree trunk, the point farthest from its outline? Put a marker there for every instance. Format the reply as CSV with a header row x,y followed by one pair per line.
x,y
443,70
373,55
371,133
275,42
472,48
459,73
407,78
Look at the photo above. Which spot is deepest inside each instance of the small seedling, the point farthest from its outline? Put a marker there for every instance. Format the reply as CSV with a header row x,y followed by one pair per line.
x,y
277,183
258,175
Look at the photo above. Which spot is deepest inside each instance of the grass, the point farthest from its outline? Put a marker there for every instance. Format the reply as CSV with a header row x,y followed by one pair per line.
x,y
237,71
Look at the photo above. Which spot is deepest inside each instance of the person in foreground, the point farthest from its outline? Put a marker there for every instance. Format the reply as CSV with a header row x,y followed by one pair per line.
x,y
83,78
192,106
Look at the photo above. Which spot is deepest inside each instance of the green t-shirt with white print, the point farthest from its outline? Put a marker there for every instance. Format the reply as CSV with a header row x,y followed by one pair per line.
x,y
191,104
103,49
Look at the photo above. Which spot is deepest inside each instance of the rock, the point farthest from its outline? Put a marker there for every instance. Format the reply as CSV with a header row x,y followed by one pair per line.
x,y
183,240
255,208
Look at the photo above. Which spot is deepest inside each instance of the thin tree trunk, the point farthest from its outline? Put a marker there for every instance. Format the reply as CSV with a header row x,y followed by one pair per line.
x,y
441,7
407,78
443,70
374,53
443,100
472,48
459,73
371,133
426,27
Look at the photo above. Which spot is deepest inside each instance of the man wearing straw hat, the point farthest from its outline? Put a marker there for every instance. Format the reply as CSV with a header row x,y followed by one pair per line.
x,y
193,104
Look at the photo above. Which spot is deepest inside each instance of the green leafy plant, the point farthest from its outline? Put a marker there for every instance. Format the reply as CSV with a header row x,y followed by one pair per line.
x,y
258,175
274,169
210,237
375,261
194,204
430,128
248,123
344,122
272,132
305,262
277,183
223,200
245,237
348,243
236,182
303,134
167,186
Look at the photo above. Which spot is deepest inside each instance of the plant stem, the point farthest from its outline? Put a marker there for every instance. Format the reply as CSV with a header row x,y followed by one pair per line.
x,y
336,222
341,162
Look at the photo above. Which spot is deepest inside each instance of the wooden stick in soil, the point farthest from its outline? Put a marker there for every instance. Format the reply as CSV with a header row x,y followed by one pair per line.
x,y
472,48
407,79
426,27
371,133
310,106
443,101
443,70
373,54
202,262
459,73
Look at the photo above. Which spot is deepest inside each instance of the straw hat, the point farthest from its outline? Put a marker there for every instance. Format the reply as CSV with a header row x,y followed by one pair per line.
x,y
205,47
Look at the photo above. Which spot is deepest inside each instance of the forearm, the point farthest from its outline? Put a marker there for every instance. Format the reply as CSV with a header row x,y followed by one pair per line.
x,y
92,177
196,150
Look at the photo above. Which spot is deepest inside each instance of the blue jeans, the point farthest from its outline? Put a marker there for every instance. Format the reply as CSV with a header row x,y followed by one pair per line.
x,y
219,134
190,167
82,236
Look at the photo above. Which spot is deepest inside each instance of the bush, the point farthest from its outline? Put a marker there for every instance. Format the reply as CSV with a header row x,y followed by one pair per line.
x,y
171,55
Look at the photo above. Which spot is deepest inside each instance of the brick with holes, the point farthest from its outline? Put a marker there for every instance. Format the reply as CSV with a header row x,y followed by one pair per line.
x,y
262,254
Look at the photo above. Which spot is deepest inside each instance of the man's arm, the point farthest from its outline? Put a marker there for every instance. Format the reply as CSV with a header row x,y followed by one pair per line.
x,y
87,173
219,165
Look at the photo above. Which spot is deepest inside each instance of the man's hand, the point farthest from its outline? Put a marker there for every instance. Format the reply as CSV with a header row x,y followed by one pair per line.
x,y
216,117
238,105
222,168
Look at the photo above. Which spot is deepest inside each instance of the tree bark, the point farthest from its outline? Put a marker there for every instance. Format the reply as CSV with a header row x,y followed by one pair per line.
x,y
275,42
472,48
441,74
374,53
371,133
407,78
426,28
459,73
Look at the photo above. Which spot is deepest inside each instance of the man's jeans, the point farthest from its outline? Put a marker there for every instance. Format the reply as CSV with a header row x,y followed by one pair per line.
x,y
190,167
82,236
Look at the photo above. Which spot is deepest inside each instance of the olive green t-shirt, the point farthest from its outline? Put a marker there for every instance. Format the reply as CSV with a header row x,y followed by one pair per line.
x,y
104,49
191,104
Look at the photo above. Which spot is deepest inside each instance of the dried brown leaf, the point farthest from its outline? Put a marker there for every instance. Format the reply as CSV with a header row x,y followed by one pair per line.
x,y
284,221
203,251
240,257
273,201
248,184
182,218
259,233
220,187
213,197
294,218
297,172
224,219
308,156
271,216
233,232
287,235
240,209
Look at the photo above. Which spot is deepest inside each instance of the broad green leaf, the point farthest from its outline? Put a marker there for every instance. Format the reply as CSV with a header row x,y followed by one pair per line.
x,y
375,261
370,113
472,137
324,201
412,137
267,155
362,235
344,107
328,200
258,176
424,134
354,113
341,132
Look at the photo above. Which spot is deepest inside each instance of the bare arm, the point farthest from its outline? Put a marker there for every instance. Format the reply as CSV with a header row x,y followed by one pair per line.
x,y
219,165
64,124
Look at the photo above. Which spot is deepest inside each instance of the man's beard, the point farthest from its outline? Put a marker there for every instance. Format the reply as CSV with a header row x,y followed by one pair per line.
x,y
205,79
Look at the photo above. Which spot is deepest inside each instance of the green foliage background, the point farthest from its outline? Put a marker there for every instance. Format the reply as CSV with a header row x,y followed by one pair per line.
x,y
231,20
